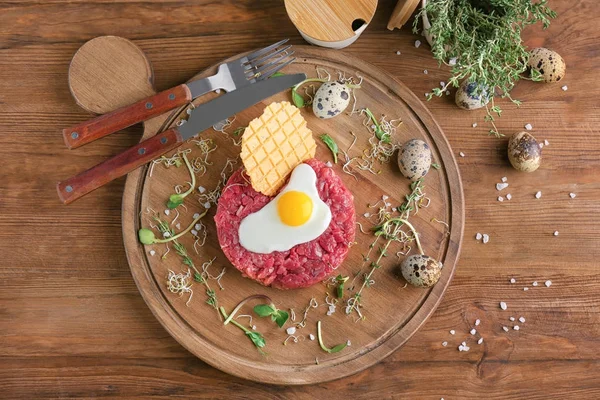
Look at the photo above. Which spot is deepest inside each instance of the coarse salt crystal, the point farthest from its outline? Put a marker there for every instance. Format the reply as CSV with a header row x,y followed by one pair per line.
x,y
535,283
480,341
425,71
565,88
461,154
503,305
167,212
218,91
444,344
508,196
197,227
253,327
463,348
500,198
384,197
486,238
447,93
194,232
464,343
504,179
207,204
538,195
427,94
474,125
442,83
572,195
478,236
541,145
512,319
516,327
291,330
311,336
196,216
452,331
152,253
477,322
366,215
348,343
555,233
548,283
452,61
513,280
178,226
525,289
201,189
166,234
521,320
328,164
505,328
398,53
501,186
546,143
528,127
417,43
473,331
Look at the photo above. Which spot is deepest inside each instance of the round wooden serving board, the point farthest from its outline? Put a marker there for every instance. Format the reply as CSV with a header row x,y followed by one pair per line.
x,y
393,312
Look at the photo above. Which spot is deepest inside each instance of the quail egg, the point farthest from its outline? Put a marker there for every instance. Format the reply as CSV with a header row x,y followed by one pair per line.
x,y
331,99
524,152
414,159
421,270
471,96
548,63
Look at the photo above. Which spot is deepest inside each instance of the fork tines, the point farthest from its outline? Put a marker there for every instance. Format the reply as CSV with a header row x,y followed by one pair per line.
x,y
265,62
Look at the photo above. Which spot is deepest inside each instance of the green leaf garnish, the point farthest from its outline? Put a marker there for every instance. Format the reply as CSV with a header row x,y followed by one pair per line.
x,y
332,145
297,99
341,280
146,236
175,200
334,349
257,338
280,317
435,166
379,132
239,131
264,310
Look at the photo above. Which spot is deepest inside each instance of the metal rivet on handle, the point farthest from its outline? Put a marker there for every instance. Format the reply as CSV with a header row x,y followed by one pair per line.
x,y
69,189
74,135
172,96
148,105
141,151
163,140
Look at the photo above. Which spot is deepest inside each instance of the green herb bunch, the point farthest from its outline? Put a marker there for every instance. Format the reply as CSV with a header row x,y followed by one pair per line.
x,y
483,37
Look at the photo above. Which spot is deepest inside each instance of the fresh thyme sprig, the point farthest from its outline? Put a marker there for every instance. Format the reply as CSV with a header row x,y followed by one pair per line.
x,y
483,38
390,229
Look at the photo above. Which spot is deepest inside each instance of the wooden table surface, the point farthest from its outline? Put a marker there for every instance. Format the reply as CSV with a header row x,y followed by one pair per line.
x,y
73,325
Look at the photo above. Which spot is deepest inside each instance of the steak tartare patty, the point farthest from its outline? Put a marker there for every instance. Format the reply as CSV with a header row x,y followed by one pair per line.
x,y
303,265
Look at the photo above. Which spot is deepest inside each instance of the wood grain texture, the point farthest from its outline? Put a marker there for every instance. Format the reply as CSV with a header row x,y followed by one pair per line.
x,y
402,13
392,316
124,117
73,323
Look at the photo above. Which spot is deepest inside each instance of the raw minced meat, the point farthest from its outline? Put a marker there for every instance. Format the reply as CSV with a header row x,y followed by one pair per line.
x,y
303,265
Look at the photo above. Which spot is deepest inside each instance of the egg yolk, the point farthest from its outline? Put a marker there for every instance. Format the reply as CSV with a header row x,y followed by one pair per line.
x,y
294,208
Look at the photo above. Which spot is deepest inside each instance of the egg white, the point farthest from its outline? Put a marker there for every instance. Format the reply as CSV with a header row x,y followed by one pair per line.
x,y
263,232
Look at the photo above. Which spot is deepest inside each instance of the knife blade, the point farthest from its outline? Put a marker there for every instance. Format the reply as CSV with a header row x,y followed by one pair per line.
x,y
225,106
203,117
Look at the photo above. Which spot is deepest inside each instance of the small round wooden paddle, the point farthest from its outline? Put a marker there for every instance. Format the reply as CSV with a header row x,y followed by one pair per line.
x,y
107,73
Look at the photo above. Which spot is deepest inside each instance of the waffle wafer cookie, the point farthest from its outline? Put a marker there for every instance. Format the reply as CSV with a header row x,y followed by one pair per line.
x,y
274,144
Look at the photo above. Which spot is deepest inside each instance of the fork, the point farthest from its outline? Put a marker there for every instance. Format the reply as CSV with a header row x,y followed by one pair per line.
x,y
230,76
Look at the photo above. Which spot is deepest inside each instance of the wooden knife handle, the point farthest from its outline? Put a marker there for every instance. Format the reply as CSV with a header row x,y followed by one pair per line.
x,y
123,117
77,186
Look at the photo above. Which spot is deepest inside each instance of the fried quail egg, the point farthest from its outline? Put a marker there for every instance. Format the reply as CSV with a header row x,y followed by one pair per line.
x,y
548,63
421,270
296,215
524,152
468,96
331,99
414,159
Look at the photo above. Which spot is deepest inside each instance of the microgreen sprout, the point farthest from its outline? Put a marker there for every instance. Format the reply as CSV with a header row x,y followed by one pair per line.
x,y
176,199
256,337
332,145
146,235
278,316
341,280
299,101
379,132
334,349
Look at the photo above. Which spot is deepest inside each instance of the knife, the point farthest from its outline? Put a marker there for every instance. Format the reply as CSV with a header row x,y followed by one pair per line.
x,y
201,118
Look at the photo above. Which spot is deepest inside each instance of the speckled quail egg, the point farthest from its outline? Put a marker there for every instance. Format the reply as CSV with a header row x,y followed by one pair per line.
x,y
331,99
524,152
414,159
469,97
421,270
548,63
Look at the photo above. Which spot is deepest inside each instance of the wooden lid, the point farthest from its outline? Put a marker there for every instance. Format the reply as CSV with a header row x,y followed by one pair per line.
x,y
402,12
330,20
